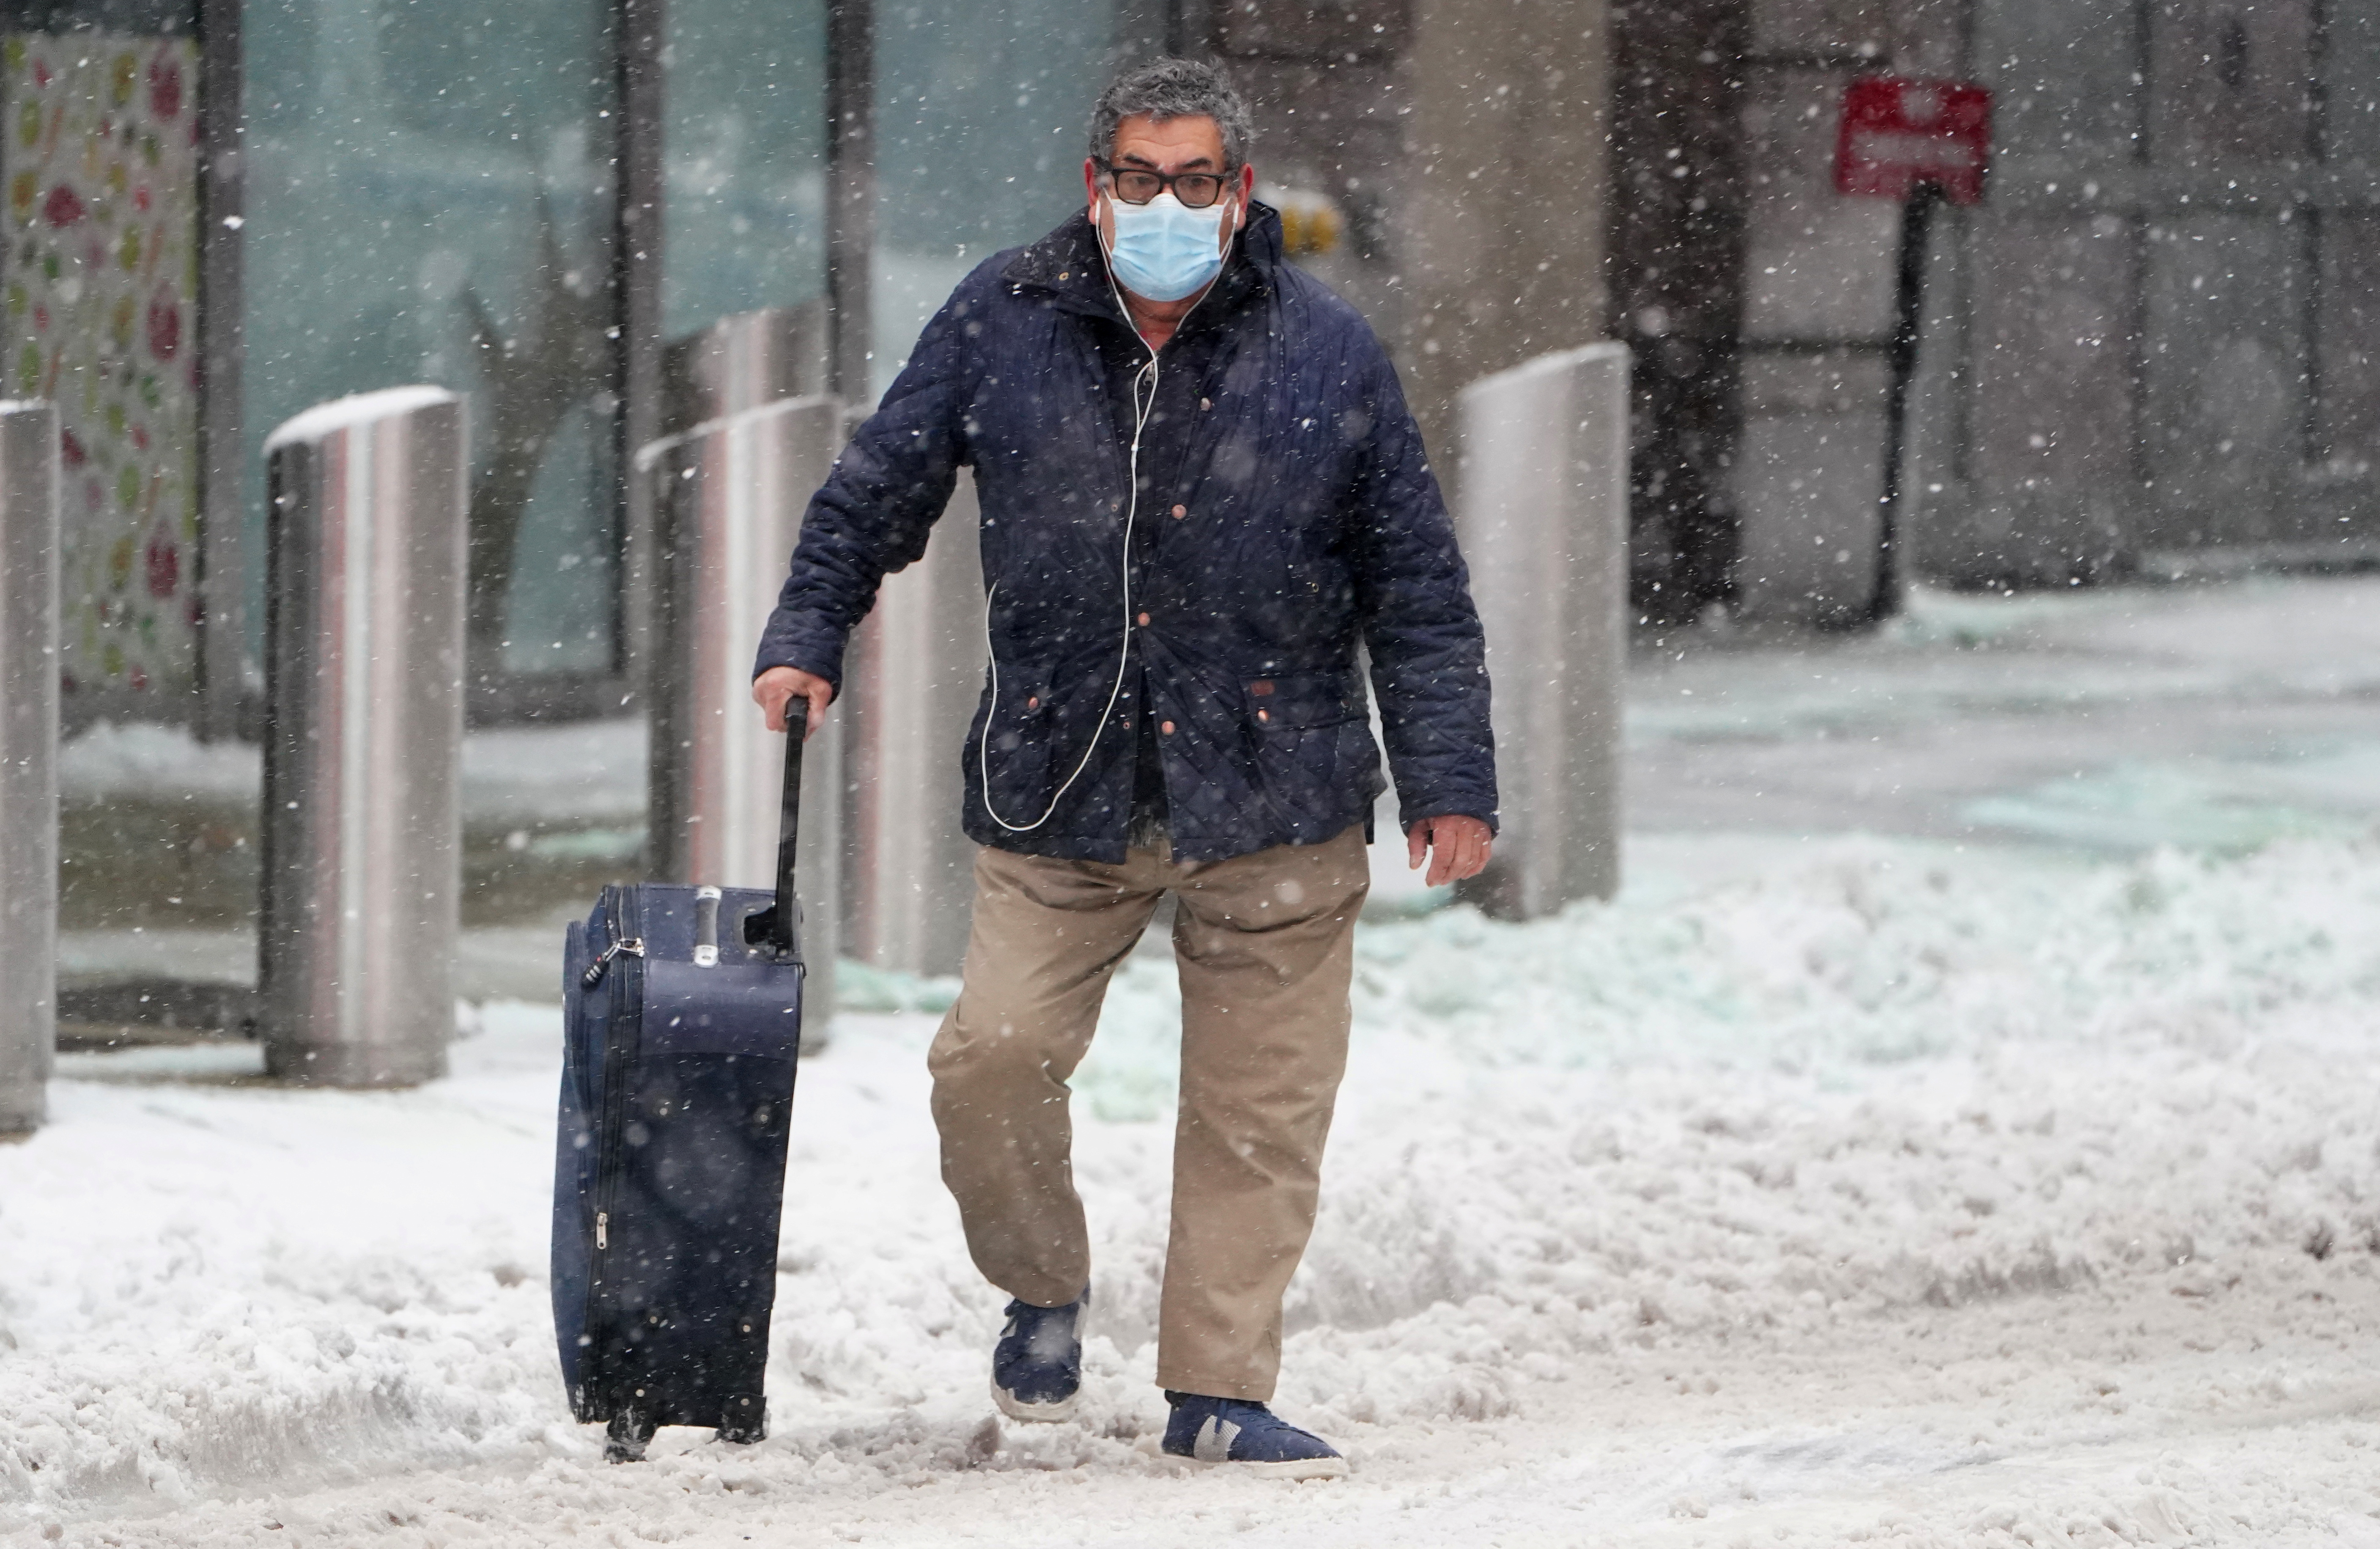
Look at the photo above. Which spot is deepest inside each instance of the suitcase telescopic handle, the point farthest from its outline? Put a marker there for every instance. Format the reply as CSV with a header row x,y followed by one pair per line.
x,y
784,929
779,927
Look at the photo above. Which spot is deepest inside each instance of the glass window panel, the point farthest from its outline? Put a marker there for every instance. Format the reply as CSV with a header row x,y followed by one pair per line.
x,y
745,135
979,119
2350,68
2066,74
2231,82
429,200
2347,339
2225,351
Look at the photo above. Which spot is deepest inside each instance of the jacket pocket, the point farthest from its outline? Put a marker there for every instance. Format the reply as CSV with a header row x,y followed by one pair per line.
x,y
1311,742
1295,701
1011,750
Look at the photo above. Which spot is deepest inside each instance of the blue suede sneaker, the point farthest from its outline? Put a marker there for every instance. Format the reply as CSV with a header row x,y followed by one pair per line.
x,y
1249,1436
1037,1368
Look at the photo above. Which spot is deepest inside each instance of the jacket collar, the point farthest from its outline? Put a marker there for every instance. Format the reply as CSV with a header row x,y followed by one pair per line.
x,y
1069,266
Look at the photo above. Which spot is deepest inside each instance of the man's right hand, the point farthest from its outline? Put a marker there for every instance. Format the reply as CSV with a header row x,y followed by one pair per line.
x,y
777,687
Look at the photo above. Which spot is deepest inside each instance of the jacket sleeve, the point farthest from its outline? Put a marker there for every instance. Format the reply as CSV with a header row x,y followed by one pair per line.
x,y
879,503
1429,657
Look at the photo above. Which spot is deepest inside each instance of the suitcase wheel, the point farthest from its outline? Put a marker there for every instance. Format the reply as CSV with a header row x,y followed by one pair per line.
x,y
626,1438
746,1419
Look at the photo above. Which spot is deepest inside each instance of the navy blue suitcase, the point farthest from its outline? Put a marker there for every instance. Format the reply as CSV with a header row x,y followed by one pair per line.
x,y
681,1025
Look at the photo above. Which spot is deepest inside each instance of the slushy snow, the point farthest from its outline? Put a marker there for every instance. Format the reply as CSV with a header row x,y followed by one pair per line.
x,y
1900,1194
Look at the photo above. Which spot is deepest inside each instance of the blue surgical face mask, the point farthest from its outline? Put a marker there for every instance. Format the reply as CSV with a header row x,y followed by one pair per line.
x,y
1164,249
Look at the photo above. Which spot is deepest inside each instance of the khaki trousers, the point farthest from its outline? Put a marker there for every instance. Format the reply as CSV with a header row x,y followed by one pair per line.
x,y
1265,946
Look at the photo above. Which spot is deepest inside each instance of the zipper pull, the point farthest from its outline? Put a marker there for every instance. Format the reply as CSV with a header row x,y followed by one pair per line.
x,y
594,974
603,1228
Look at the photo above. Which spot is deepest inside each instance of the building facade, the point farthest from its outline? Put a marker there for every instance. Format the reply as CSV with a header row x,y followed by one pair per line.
x,y
224,212
2152,348
2151,351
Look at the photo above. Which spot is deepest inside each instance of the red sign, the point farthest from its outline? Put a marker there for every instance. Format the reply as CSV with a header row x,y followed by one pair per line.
x,y
1900,134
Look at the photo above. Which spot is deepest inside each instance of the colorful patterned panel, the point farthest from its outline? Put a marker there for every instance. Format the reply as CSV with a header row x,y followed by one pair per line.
x,y
100,273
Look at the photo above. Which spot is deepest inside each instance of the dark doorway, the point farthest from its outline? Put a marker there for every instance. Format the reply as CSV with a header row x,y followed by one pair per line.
x,y
1677,280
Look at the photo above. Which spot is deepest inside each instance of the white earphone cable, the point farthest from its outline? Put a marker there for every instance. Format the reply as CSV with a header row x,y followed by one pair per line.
x,y
1140,413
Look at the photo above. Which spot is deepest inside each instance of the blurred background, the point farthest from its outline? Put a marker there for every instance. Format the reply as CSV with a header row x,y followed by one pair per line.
x,y
2151,356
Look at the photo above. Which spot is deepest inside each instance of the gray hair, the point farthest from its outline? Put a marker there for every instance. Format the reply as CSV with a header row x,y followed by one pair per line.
x,y
1167,89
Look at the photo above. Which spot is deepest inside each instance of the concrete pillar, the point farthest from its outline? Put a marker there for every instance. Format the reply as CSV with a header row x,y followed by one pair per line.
x,y
363,825
1503,234
29,751
1544,525
916,671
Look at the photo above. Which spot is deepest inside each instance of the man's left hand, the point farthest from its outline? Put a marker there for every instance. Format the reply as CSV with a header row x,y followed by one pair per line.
x,y
1457,847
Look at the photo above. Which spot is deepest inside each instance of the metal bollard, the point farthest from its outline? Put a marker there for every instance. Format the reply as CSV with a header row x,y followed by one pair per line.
x,y
745,361
729,496
1543,522
917,666
363,681
29,769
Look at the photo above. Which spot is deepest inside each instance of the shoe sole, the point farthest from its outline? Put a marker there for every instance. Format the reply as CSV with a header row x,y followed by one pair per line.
x,y
1018,1409
1290,1469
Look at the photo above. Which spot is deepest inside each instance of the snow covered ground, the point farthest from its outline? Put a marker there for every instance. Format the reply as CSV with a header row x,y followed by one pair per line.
x,y
1894,1188
2108,721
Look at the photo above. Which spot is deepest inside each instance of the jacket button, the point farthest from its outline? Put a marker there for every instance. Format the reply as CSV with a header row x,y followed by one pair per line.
x,y
1180,512
1033,702
1206,403
1263,714
1165,727
1144,619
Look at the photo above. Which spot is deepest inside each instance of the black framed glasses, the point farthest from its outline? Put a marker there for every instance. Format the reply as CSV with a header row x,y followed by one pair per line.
x,y
1138,185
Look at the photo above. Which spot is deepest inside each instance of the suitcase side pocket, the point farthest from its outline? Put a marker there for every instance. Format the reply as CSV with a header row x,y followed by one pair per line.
x,y
751,1010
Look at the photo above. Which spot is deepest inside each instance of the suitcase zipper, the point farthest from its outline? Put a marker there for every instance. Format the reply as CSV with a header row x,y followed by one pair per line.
x,y
634,946
625,1004
609,1162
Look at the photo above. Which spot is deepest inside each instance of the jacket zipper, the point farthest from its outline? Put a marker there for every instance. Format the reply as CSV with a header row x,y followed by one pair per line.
x,y
625,1001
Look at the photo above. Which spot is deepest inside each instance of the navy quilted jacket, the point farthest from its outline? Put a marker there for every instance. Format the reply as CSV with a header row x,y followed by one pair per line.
x,y
1312,523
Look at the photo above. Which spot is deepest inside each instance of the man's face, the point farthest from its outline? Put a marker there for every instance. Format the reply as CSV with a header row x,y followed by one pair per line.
x,y
1188,145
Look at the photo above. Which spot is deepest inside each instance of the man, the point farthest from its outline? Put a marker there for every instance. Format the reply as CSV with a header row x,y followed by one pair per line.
x,y
1201,492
